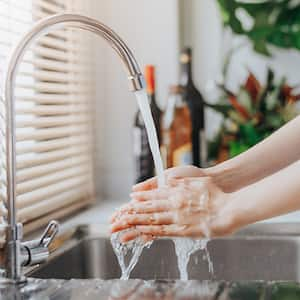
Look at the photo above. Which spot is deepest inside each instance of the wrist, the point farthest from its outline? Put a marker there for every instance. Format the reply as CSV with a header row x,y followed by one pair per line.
x,y
240,215
225,220
225,175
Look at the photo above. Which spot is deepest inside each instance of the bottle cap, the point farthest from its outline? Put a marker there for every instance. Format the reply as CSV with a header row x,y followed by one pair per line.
x,y
150,78
186,55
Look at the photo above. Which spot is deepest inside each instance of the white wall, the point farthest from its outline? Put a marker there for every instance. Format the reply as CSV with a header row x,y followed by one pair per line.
x,y
151,30
201,28
284,62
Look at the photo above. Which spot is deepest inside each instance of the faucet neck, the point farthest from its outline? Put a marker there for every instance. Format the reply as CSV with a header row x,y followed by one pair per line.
x,y
136,82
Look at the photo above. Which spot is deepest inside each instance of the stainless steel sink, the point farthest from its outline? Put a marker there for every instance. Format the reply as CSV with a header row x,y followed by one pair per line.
x,y
260,252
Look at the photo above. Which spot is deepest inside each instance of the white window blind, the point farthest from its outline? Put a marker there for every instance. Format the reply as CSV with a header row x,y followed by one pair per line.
x,y
54,95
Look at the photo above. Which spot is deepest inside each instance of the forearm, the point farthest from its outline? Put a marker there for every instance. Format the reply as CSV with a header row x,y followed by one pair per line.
x,y
274,153
272,196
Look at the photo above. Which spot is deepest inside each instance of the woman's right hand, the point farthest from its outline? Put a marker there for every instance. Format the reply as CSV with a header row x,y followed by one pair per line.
x,y
170,174
224,178
188,207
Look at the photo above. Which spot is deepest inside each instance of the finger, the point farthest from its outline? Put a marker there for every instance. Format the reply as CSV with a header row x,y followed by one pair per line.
x,y
121,210
184,171
151,183
157,194
147,207
196,184
129,221
162,230
139,207
177,172
115,216
146,185
172,230
134,234
175,182
118,213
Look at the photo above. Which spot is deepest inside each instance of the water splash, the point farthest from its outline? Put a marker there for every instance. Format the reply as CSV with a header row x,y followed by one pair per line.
x,y
184,248
131,251
127,253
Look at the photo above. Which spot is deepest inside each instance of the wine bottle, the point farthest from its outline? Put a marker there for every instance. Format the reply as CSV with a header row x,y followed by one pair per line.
x,y
176,146
144,165
196,104
155,110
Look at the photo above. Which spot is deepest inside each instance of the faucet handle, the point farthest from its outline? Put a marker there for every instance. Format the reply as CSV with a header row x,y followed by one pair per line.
x,y
49,233
36,251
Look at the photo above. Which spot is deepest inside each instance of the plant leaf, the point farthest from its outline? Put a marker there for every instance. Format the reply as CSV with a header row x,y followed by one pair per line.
x,y
245,100
276,22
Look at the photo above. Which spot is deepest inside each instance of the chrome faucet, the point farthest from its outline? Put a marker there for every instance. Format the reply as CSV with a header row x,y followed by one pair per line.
x,y
18,253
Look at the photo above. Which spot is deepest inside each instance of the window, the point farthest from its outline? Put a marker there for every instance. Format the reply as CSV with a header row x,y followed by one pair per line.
x,y
54,117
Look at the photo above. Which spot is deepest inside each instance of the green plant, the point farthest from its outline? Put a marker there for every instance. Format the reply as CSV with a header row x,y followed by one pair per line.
x,y
252,114
274,22
262,290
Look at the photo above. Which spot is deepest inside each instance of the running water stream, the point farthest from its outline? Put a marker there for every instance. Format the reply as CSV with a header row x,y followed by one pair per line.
x,y
129,253
143,103
184,248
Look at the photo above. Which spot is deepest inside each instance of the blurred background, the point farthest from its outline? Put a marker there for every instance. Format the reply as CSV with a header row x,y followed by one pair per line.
x,y
157,32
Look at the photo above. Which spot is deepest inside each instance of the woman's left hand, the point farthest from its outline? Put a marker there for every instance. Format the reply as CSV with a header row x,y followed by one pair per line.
x,y
189,207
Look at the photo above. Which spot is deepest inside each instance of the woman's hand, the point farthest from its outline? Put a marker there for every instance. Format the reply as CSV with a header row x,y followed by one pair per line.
x,y
226,178
170,174
189,207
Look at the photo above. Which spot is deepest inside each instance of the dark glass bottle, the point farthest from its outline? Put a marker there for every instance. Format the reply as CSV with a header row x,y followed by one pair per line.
x,y
144,165
196,105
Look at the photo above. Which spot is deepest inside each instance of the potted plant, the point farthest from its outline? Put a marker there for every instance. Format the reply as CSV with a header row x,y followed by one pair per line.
x,y
272,22
256,110
251,114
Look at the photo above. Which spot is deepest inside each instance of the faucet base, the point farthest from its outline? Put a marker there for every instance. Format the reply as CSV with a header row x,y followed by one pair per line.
x,y
8,281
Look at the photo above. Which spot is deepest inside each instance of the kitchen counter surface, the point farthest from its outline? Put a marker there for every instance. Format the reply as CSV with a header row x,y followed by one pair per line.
x,y
97,214
138,289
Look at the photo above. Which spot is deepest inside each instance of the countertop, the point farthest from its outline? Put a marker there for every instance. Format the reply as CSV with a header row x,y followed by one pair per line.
x,y
97,214
138,289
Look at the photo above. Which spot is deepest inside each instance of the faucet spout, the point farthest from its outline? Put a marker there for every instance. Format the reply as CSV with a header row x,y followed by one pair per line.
x,y
136,82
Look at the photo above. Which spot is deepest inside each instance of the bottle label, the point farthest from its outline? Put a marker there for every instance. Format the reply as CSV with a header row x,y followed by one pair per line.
x,y
143,158
183,155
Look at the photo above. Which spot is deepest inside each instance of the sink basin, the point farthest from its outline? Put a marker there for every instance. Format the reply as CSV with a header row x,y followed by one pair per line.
x,y
259,252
